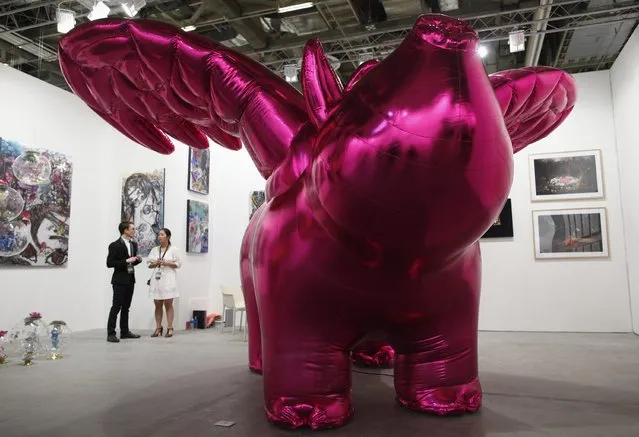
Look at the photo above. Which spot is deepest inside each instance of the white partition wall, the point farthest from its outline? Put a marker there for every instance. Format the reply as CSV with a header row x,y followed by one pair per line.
x,y
524,294
519,292
42,116
625,96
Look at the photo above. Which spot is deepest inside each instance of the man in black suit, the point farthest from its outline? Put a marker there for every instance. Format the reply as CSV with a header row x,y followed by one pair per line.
x,y
122,258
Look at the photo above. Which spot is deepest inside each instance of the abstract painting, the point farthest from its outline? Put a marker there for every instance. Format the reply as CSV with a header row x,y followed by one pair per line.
x,y
571,233
257,198
197,226
503,226
565,176
143,204
35,206
199,170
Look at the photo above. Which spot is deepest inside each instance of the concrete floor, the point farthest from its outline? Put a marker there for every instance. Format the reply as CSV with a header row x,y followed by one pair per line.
x,y
535,385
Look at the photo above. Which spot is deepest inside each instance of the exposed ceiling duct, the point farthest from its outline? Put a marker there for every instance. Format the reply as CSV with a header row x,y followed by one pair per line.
x,y
577,35
28,45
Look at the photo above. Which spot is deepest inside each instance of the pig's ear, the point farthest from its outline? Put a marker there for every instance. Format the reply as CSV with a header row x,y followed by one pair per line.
x,y
321,86
533,101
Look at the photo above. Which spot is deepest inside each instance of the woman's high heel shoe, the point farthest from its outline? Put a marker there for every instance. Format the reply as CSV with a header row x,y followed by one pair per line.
x,y
157,332
169,333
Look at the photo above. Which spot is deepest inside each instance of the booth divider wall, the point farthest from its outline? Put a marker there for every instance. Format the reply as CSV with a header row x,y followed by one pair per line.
x,y
519,291
624,79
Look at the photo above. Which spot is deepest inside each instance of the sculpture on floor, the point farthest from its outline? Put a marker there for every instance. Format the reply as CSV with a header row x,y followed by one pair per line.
x,y
377,193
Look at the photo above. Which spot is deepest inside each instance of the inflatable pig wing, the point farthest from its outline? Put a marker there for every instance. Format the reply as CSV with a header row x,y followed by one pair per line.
x,y
378,193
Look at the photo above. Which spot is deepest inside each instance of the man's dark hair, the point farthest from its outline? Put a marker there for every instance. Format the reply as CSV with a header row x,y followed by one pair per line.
x,y
123,227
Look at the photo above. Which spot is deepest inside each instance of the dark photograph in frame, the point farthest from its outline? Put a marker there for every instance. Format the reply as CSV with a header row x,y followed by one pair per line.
x,y
566,176
503,226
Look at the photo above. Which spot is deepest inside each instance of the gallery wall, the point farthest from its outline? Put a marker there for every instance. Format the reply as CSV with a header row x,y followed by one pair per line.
x,y
42,116
522,293
625,97
519,292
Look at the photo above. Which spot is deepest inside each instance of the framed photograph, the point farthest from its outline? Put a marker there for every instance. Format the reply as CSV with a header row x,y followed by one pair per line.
x,y
197,226
566,176
199,170
570,233
503,226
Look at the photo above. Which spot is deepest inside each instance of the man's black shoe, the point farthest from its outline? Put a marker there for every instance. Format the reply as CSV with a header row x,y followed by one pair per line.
x,y
129,335
113,339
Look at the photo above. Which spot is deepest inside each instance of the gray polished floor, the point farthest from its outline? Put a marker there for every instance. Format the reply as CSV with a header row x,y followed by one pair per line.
x,y
547,385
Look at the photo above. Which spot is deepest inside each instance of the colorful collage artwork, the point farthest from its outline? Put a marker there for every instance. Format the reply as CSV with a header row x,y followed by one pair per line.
x,y
197,226
35,206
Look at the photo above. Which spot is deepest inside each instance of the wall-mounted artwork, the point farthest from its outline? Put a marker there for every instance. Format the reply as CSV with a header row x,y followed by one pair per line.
x,y
571,233
199,170
503,226
197,226
143,204
35,206
566,176
257,198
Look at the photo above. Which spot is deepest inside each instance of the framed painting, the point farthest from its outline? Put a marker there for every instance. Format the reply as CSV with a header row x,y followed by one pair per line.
x,y
566,176
503,226
197,226
35,206
570,233
256,199
143,204
199,170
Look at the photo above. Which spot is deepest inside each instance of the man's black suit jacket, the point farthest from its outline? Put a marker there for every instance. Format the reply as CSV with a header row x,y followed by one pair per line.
x,y
116,259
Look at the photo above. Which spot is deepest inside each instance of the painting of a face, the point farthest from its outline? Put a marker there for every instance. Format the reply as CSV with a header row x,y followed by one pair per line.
x,y
143,204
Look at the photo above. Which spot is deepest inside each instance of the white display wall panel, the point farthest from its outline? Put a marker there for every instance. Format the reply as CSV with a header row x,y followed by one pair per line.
x,y
625,96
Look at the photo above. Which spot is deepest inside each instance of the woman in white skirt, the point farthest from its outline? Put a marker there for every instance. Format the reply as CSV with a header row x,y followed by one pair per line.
x,y
164,260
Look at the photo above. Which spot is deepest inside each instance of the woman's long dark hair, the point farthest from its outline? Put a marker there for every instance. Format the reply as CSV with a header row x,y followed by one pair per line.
x,y
168,234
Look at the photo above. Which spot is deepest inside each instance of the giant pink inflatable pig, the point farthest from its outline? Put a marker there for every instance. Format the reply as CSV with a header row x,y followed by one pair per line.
x,y
377,193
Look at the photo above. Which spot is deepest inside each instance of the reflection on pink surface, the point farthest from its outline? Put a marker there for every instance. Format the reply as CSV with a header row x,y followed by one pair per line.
x,y
377,193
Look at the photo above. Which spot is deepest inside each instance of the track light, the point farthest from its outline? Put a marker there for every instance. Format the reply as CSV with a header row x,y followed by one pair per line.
x,y
517,41
296,7
65,19
100,10
132,7
482,51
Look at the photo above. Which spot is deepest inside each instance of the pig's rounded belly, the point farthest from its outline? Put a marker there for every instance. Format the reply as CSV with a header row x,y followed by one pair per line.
x,y
409,207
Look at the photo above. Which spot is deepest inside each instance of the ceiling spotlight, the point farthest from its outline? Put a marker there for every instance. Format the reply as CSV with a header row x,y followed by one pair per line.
x,y
290,73
189,28
517,41
65,19
296,7
132,7
100,10
482,51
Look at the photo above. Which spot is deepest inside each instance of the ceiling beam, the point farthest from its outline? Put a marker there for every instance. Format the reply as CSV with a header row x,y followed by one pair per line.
x,y
250,28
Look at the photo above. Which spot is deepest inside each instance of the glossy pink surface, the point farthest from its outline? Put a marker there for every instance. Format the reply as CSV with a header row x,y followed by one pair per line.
x,y
377,193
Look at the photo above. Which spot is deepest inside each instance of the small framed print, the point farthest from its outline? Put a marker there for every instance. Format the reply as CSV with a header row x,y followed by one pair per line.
x,y
571,233
256,199
566,176
199,170
503,226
